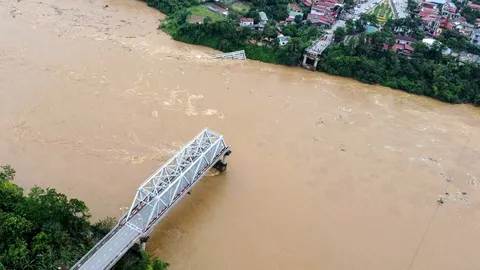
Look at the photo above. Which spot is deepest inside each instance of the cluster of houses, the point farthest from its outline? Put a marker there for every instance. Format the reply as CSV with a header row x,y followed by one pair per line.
x,y
438,15
322,12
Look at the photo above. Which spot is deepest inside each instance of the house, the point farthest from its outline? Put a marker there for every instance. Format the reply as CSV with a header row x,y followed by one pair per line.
x,y
428,5
449,10
263,17
246,21
431,19
288,21
400,49
293,7
294,10
404,40
477,23
321,20
475,37
282,40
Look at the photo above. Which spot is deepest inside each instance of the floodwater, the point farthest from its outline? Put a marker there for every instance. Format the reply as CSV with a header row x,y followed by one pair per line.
x,y
326,172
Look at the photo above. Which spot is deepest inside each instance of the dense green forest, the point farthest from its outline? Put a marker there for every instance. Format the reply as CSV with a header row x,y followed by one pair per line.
x,y
427,72
46,230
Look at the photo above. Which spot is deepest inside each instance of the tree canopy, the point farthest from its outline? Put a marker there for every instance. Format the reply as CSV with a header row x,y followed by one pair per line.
x,y
427,72
46,230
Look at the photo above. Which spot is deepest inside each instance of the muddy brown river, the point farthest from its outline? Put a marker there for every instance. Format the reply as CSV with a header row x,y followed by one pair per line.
x,y
326,172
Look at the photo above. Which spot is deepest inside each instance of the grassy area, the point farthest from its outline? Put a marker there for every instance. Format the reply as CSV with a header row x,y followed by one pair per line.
x,y
383,10
241,8
203,11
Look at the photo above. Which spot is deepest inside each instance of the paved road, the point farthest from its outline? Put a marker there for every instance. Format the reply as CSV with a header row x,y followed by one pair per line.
x,y
401,8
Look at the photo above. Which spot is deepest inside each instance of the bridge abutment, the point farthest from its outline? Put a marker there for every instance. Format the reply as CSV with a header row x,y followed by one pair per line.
x,y
312,56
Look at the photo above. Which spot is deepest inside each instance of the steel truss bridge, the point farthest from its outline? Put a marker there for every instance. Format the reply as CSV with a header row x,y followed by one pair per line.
x,y
156,196
237,55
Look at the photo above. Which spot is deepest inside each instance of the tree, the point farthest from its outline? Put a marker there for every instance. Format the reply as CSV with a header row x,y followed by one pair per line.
x,y
45,229
298,19
470,14
270,31
411,6
340,34
348,5
233,15
350,27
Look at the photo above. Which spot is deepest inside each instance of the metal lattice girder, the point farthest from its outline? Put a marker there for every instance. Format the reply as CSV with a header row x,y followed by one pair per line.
x,y
166,185
156,196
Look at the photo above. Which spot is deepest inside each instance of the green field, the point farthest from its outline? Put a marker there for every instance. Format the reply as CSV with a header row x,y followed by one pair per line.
x,y
241,8
203,11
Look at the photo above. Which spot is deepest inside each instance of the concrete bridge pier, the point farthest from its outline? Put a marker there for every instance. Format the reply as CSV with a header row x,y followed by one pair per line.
x,y
221,164
143,242
312,56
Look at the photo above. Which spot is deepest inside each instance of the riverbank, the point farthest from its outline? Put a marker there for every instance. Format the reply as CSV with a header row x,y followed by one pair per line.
x,y
95,99
428,72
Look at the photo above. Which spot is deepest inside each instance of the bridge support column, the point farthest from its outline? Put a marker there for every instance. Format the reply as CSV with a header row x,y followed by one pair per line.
x,y
304,60
221,164
143,242
315,64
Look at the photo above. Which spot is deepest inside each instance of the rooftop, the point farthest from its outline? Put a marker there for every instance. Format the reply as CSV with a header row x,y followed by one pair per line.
x,y
246,20
402,47
196,19
294,7
439,2
405,38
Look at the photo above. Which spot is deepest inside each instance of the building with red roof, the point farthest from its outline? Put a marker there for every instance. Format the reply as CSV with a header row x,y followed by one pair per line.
x,y
307,3
293,7
246,21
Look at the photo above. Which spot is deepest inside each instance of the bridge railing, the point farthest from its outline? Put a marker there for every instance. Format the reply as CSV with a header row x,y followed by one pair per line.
x,y
159,190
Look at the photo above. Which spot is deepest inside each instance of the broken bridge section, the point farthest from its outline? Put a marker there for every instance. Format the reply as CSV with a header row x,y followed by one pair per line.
x,y
237,55
156,196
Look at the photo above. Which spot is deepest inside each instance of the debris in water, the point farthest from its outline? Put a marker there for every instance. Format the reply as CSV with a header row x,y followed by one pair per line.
x,y
472,181
444,175
461,196
319,123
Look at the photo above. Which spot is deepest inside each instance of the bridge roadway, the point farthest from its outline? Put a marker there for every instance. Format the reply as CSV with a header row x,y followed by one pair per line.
x,y
110,251
156,196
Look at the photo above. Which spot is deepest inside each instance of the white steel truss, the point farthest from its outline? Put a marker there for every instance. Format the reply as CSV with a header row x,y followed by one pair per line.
x,y
164,187
156,196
